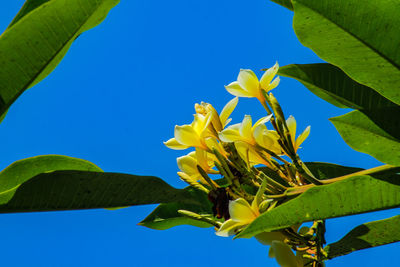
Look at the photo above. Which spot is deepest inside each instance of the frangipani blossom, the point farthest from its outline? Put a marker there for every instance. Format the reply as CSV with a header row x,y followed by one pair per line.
x,y
284,255
191,135
188,164
242,131
218,122
248,85
241,214
291,123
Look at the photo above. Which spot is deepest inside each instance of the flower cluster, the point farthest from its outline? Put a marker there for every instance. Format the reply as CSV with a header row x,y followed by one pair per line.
x,y
257,162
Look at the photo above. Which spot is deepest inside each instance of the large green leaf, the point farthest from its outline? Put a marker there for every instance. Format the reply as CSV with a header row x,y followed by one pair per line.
x,y
333,85
285,3
166,215
360,38
32,47
323,170
363,135
354,195
23,170
70,190
367,235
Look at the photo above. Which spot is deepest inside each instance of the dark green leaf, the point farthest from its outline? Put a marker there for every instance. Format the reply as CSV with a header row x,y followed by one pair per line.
x,y
70,190
23,170
32,48
363,135
362,39
323,170
166,215
354,195
333,85
366,235
285,3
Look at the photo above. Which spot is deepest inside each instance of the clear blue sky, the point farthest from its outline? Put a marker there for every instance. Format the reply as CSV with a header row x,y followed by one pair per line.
x,y
118,94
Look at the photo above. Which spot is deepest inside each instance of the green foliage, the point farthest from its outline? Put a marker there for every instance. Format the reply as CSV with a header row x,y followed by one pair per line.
x,y
361,39
363,135
21,171
367,235
70,190
354,195
31,48
166,215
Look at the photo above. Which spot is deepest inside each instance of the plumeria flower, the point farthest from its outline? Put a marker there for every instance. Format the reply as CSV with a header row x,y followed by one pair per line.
x,y
188,164
218,122
248,85
279,250
267,139
243,131
191,135
291,123
204,126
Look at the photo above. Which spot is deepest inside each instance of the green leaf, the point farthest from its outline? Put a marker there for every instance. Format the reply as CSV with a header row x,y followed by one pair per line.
x,y
333,85
323,170
354,195
71,190
166,215
363,135
285,3
366,235
32,47
28,6
361,39
23,170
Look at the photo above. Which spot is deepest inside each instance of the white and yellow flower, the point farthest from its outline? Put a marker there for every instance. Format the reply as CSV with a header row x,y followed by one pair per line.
x,y
248,85
291,123
218,121
243,131
188,164
191,135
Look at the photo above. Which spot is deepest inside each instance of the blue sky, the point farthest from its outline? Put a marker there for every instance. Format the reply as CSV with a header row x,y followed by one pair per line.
x,y
118,94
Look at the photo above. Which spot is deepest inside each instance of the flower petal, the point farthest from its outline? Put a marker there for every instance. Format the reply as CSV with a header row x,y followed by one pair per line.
x,y
274,84
245,128
240,211
228,228
303,136
268,76
249,82
266,238
291,124
227,110
173,144
235,89
283,254
186,135
261,121
187,164
229,135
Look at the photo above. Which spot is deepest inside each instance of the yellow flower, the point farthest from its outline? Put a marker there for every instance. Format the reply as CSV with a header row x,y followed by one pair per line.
x,y
242,131
267,139
241,214
248,85
191,135
284,255
291,123
188,164
218,122
252,156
